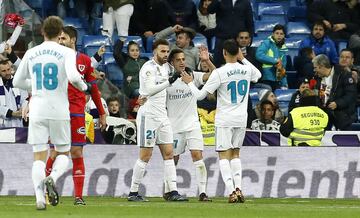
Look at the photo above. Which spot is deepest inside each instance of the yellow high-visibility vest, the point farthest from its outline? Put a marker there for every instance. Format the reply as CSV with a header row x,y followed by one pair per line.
x,y
309,125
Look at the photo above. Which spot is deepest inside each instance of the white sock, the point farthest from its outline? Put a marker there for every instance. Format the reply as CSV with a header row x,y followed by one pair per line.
x,y
138,174
38,175
170,174
166,186
60,165
226,175
236,171
201,175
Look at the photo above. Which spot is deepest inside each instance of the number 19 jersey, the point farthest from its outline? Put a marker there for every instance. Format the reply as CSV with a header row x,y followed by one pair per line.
x,y
45,64
232,82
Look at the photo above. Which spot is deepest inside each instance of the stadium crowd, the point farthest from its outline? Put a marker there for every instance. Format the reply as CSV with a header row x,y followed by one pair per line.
x,y
194,40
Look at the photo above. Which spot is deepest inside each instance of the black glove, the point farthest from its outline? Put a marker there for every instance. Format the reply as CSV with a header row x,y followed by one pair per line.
x,y
89,87
174,77
188,71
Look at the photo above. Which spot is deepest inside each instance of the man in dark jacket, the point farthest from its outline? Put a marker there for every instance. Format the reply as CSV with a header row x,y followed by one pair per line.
x,y
230,19
337,92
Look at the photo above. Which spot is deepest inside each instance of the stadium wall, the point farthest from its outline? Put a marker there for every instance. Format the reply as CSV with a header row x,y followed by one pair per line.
x,y
278,172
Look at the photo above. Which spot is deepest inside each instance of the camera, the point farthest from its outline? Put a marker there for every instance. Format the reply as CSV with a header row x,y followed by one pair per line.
x,y
124,130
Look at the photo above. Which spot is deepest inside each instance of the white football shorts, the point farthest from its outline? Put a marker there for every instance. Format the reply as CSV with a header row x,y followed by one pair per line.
x,y
229,137
193,140
153,131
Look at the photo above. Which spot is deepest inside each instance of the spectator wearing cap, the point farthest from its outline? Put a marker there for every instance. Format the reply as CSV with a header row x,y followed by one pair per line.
x,y
184,37
305,125
295,98
266,94
337,92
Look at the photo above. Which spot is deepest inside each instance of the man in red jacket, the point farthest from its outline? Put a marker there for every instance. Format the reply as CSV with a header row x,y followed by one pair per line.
x,y
77,114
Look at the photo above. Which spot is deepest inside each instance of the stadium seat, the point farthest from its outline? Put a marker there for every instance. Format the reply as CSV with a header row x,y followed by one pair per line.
x,y
212,46
115,74
91,43
271,12
358,114
297,29
264,28
291,53
284,107
149,43
341,45
293,42
136,39
292,79
284,95
41,7
80,34
98,24
257,41
200,40
108,58
296,14
75,22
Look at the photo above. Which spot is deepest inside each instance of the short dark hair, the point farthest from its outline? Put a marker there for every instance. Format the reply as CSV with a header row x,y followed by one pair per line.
x,y
347,50
231,47
265,102
4,61
113,98
71,32
319,23
160,42
52,27
173,53
278,27
306,52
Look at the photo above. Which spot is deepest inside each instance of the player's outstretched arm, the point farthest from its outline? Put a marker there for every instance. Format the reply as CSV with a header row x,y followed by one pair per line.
x,y
255,73
199,94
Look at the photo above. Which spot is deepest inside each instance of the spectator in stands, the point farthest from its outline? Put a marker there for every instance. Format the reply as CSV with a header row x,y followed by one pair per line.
x,y
150,17
321,43
207,22
341,18
347,62
354,45
337,91
266,120
231,17
295,98
272,54
185,13
244,40
119,13
11,99
303,64
268,95
114,106
184,37
130,64
305,125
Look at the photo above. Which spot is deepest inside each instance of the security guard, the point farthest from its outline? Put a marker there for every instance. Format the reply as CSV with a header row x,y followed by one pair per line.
x,y
306,124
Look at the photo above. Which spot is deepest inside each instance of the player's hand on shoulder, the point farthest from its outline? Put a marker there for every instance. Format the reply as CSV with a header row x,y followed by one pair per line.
x,y
187,78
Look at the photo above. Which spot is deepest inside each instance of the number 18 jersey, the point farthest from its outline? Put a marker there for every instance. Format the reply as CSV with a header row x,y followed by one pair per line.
x,y
232,82
46,65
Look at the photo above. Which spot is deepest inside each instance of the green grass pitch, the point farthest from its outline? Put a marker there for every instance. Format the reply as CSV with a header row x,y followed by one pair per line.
x,y
119,207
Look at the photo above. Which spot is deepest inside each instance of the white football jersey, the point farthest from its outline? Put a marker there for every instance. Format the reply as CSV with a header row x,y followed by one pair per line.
x,y
48,67
152,74
232,82
182,105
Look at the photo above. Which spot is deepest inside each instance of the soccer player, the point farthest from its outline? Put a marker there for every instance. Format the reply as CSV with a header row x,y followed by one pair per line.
x,y
46,70
182,111
232,83
153,125
77,114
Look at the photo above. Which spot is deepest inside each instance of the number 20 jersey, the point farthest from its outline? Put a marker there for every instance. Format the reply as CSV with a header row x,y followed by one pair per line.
x,y
49,83
232,82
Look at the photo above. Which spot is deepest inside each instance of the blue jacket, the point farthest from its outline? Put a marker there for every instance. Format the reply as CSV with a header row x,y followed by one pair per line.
x,y
268,54
325,46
